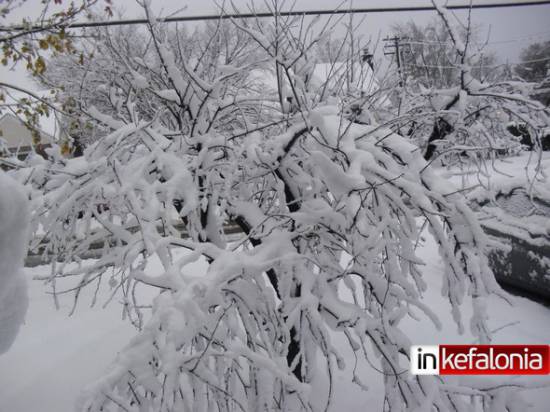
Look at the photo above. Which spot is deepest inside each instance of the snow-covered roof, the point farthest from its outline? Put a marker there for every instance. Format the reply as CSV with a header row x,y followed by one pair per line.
x,y
337,74
340,78
341,74
262,79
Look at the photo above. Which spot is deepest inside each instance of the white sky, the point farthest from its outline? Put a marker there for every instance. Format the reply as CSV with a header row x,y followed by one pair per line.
x,y
511,29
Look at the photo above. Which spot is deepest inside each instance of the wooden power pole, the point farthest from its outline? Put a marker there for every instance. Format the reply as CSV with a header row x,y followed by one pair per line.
x,y
393,47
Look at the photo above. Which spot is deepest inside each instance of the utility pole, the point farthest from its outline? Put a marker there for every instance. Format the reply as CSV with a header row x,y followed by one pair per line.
x,y
392,47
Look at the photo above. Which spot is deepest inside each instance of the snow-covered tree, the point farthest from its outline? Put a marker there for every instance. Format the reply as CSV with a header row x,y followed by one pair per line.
x,y
330,213
535,67
428,54
119,63
26,44
466,116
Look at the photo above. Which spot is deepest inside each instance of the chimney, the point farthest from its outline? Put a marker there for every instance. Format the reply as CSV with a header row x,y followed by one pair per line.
x,y
366,57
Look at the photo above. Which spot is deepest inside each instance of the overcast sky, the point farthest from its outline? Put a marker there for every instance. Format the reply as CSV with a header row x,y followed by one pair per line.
x,y
511,29
506,24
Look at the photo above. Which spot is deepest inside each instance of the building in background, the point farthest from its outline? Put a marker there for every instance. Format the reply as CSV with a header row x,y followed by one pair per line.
x,y
17,140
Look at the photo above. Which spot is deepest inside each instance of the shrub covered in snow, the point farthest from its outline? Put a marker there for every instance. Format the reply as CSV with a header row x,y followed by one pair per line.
x,y
14,222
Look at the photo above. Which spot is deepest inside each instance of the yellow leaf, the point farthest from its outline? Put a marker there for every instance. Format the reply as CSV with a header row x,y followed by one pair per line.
x,y
40,65
65,148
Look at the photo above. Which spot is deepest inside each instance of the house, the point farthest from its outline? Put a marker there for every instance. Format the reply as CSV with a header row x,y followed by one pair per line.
x,y
17,140
346,75
349,79
355,79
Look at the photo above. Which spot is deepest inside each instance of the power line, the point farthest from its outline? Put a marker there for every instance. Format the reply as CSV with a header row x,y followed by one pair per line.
x,y
457,67
285,14
517,40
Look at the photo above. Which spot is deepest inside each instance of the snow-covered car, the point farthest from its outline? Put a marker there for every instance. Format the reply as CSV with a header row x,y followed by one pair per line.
x,y
519,222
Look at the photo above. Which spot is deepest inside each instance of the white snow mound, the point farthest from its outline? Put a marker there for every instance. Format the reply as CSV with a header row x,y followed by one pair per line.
x,y
14,220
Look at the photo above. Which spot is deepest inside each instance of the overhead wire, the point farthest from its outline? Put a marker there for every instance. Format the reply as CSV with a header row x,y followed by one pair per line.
x,y
515,40
290,13
434,66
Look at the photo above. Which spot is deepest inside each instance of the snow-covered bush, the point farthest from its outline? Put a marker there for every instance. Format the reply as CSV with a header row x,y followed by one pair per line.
x,y
14,223
330,213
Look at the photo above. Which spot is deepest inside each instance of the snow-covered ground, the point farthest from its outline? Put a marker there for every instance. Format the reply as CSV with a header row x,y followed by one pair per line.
x,y
54,356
